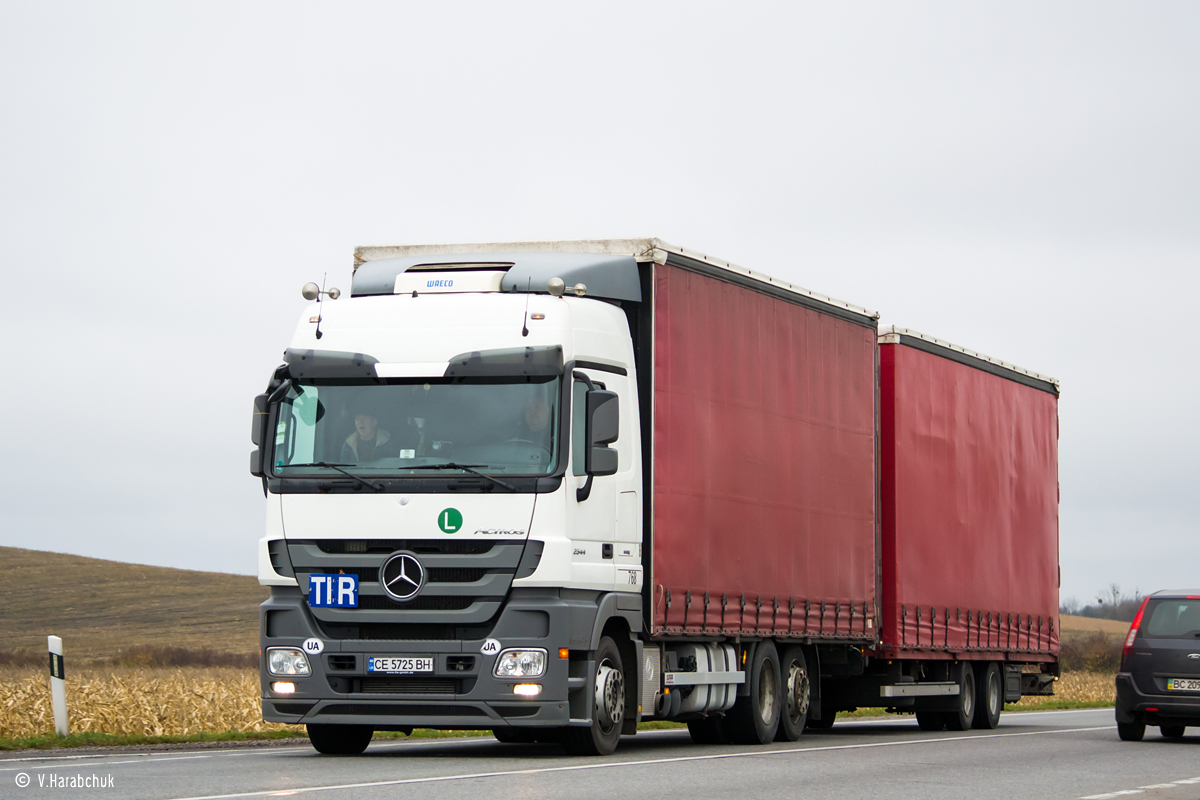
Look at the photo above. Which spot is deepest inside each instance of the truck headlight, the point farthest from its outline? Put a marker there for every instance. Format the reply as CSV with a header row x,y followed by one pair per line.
x,y
287,661
520,664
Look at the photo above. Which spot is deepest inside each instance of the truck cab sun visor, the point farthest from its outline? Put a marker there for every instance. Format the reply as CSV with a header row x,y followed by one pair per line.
x,y
309,364
509,361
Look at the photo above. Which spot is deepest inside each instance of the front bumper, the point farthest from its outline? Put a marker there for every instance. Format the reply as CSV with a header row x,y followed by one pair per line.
x,y
1134,705
460,693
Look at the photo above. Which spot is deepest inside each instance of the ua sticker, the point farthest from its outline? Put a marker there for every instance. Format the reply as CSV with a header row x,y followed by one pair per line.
x,y
490,647
313,646
450,521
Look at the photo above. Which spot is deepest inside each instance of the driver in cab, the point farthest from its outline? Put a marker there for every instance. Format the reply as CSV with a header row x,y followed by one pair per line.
x,y
368,442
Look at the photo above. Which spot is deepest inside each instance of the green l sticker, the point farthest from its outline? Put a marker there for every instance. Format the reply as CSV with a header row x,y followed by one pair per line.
x,y
449,520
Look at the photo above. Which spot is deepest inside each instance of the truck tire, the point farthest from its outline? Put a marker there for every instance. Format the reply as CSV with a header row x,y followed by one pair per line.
x,y
513,735
1131,731
755,717
797,695
1172,731
989,695
608,711
710,730
931,720
961,719
340,740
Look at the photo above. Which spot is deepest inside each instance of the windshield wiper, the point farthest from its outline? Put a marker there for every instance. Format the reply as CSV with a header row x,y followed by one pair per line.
x,y
468,468
376,486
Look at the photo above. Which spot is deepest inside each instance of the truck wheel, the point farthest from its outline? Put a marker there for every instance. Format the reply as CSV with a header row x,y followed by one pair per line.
x,y
340,740
1171,731
961,719
608,711
755,717
931,720
989,695
797,694
710,730
513,735
1131,731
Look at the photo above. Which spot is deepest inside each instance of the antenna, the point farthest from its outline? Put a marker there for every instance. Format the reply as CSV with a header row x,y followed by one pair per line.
x,y
525,323
321,304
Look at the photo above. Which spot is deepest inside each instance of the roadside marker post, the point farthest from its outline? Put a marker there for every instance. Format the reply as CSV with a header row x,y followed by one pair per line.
x,y
58,685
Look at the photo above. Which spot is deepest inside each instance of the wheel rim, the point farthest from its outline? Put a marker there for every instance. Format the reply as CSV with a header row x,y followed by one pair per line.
x,y
610,696
768,692
968,692
797,693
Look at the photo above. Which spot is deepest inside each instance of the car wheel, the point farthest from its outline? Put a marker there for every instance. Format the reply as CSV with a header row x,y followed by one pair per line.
x,y
931,720
340,740
1131,731
989,695
1172,731
797,695
608,711
755,717
961,719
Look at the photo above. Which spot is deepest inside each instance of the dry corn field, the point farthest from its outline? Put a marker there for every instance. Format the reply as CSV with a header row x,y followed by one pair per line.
x,y
195,700
1081,687
135,701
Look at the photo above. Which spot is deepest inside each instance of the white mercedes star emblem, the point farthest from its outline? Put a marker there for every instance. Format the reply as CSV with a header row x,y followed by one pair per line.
x,y
402,576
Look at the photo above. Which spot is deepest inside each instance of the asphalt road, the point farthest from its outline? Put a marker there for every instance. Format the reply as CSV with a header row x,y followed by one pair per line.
x,y
1062,754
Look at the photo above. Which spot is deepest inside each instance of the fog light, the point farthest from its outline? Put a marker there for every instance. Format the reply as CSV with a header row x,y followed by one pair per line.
x,y
527,689
283,687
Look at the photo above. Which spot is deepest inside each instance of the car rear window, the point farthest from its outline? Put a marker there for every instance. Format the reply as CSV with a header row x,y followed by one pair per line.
x,y
1174,618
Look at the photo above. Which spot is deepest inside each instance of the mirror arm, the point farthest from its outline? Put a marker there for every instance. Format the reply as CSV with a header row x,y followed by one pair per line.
x,y
585,491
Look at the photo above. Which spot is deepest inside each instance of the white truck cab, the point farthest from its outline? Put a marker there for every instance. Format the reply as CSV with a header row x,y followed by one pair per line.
x,y
453,472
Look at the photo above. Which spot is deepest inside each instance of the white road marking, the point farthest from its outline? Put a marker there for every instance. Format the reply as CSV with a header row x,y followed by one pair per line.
x,y
641,763
101,763
1140,789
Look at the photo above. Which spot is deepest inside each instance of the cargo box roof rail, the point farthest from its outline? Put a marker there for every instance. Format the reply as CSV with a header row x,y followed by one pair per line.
x,y
893,334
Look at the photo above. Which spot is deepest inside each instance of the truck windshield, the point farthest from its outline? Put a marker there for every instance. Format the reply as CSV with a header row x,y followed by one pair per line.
x,y
495,425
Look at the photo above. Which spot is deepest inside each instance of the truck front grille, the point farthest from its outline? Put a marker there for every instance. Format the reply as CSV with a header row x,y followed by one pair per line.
x,y
465,582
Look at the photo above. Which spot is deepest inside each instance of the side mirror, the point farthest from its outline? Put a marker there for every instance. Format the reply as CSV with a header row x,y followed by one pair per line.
x,y
258,421
258,434
603,427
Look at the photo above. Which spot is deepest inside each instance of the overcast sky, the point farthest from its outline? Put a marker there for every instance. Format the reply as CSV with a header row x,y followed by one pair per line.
x,y
1021,179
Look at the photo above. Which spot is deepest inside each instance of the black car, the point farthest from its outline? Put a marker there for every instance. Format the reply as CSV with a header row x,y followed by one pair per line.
x,y
1159,681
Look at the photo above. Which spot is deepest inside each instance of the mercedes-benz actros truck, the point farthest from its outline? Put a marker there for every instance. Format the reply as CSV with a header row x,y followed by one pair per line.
x,y
554,489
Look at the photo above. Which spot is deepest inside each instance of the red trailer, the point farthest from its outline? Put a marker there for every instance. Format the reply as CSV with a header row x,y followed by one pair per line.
x,y
969,485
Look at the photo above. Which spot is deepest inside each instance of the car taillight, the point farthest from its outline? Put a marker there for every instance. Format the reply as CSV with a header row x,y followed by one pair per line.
x,y
1133,629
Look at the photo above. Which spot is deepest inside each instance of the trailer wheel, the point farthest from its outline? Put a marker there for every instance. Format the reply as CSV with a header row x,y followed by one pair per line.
x,y
989,695
608,711
755,717
961,719
710,730
340,740
797,695
931,720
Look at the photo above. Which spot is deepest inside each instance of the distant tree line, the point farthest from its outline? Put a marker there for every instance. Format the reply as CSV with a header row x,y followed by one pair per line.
x,y
1110,604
